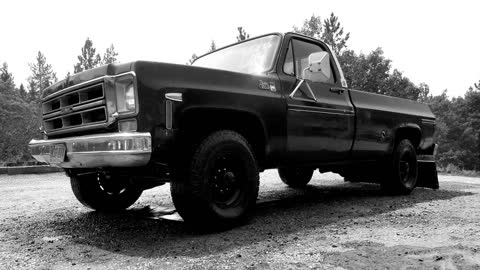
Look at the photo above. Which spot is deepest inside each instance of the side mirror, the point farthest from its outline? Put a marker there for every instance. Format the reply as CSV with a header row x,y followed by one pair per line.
x,y
318,69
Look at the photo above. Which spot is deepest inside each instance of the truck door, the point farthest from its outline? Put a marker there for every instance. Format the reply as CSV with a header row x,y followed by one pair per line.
x,y
320,116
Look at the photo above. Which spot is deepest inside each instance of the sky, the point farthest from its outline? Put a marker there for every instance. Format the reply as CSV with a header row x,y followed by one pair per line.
x,y
435,42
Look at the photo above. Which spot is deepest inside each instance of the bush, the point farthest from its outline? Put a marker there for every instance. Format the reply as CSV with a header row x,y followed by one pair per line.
x,y
453,169
20,122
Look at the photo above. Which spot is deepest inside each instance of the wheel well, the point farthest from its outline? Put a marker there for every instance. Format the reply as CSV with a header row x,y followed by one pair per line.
x,y
196,124
410,133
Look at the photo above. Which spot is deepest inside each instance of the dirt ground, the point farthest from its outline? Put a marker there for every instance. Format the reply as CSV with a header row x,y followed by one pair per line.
x,y
329,224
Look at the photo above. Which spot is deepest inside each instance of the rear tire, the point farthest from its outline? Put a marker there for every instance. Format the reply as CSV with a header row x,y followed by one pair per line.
x,y
103,193
295,177
220,186
403,169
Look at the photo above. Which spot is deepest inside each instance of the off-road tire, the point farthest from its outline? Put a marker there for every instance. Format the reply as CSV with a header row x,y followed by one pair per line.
x,y
295,177
119,195
219,187
401,176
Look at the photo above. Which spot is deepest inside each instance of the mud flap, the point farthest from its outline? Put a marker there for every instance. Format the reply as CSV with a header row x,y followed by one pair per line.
x,y
427,175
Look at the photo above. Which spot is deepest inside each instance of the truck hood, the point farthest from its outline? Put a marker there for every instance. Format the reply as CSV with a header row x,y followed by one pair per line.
x,y
74,79
158,75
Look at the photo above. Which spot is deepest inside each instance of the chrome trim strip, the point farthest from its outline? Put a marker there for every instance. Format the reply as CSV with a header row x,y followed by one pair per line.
x,y
428,121
86,83
312,111
305,100
86,158
174,97
76,112
320,108
86,106
108,152
75,108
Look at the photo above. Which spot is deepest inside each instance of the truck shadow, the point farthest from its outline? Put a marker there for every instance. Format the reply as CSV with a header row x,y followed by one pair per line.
x,y
279,213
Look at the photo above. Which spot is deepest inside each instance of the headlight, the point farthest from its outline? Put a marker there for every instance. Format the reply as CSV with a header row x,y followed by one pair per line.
x,y
125,92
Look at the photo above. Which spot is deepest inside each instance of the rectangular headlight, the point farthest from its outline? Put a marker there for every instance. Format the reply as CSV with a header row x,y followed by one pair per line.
x,y
125,92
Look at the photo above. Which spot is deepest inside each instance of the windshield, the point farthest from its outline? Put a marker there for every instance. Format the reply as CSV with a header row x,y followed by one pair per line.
x,y
254,56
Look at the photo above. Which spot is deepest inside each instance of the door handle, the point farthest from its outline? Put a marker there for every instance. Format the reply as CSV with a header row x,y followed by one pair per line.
x,y
337,90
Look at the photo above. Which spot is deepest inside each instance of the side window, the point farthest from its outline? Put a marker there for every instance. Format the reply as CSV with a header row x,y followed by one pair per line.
x,y
302,51
288,64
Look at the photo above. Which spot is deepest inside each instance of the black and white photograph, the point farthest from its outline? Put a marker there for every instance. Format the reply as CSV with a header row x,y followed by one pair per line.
x,y
239,134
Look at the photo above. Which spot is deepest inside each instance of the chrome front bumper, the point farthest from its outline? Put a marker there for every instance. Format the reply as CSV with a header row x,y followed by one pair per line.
x,y
131,149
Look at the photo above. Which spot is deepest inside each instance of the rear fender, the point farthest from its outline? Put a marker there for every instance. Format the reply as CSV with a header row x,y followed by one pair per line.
x,y
408,131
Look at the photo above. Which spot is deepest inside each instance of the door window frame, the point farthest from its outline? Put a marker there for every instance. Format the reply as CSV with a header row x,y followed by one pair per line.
x,y
283,56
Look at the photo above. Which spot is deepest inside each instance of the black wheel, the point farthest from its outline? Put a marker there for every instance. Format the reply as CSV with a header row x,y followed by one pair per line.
x,y
295,177
103,192
402,175
220,187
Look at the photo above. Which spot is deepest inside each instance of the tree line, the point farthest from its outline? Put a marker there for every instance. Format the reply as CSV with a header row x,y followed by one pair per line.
x,y
458,119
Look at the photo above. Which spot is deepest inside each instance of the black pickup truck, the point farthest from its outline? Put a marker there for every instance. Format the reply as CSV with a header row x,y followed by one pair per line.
x,y
274,101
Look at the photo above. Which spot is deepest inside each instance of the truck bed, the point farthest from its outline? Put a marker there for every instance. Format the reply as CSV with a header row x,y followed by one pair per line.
x,y
378,117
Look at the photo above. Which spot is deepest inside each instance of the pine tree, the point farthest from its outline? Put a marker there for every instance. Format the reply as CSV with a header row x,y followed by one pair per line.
x,y
110,56
88,59
242,35
41,78
333,34
7,85
213,46
22,93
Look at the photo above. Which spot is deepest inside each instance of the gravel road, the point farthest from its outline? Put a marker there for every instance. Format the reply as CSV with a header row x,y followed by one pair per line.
x,y
329,224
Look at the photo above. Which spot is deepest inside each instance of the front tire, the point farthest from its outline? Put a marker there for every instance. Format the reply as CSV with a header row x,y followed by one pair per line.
x,y
220,186
104,193
295,177
403,169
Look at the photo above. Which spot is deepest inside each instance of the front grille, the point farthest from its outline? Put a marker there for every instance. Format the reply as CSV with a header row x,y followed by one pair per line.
x,y
83,118
78,97
77,108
